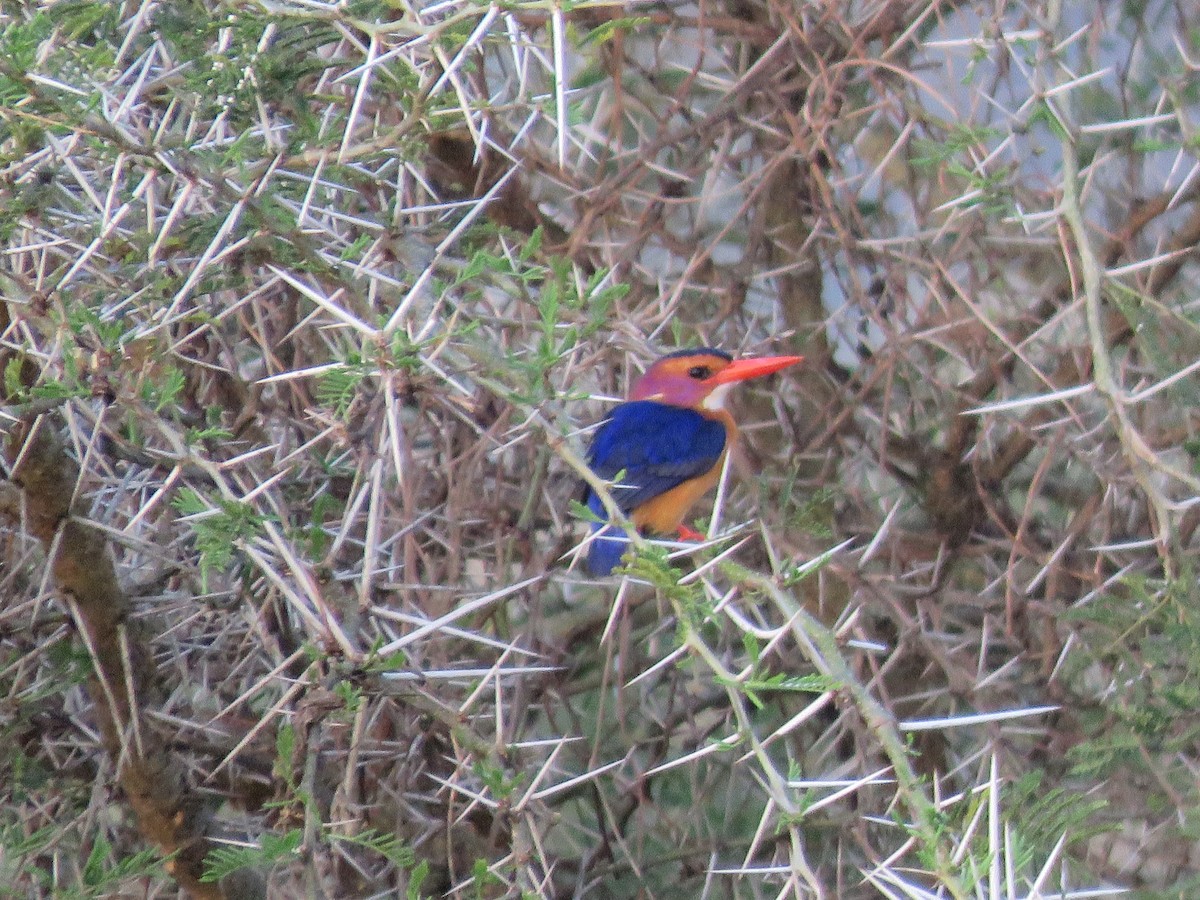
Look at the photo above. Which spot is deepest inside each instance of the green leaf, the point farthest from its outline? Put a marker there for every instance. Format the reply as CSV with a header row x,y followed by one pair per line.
x,y
14,389
223,861
218,527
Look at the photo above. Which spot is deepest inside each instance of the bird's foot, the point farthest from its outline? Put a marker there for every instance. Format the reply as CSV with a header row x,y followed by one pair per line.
x,y
690,534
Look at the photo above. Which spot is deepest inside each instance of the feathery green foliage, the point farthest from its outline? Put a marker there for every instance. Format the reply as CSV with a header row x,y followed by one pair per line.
x,y
321,302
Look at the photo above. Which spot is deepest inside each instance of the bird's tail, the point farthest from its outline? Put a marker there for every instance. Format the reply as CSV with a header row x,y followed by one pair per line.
x,y
609,544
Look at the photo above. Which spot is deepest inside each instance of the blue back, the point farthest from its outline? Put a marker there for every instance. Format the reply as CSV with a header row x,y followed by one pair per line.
x,y
659,447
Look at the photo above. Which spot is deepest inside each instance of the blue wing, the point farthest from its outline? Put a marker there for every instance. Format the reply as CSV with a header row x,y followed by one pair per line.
x,y
658,447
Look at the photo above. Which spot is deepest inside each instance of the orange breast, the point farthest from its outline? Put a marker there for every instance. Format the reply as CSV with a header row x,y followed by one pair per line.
x,y
666,512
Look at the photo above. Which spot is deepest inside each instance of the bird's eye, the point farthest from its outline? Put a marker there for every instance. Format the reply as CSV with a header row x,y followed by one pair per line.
x,y
700,373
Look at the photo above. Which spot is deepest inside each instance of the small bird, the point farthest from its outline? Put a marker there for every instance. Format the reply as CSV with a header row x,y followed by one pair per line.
x,y
669,440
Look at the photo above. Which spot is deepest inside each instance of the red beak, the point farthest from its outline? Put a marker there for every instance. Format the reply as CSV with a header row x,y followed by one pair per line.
x,y
755,367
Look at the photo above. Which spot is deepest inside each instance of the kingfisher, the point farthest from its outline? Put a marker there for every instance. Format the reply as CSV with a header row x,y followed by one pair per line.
x,y
668,442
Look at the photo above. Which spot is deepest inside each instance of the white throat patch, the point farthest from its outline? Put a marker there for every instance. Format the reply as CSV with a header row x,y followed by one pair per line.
x,y
716,400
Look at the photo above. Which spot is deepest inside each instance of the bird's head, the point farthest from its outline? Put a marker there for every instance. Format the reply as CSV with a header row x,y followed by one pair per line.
x,y
701,379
